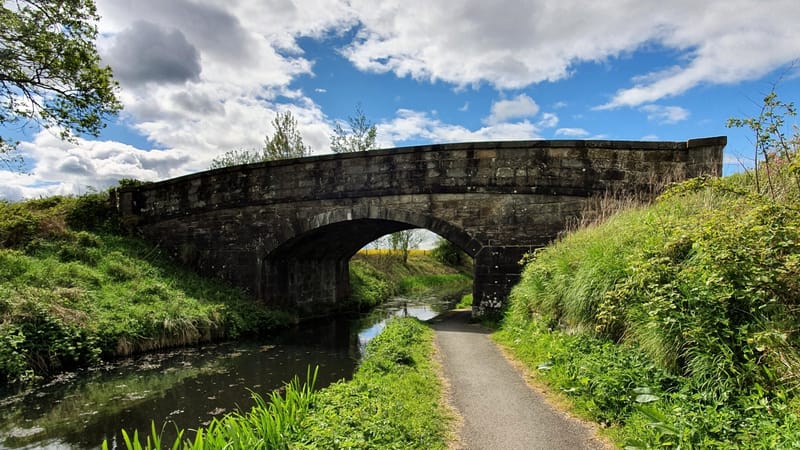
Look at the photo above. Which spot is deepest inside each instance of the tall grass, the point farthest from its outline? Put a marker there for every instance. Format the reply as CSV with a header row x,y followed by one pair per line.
x,y
393,401
702,284
677,322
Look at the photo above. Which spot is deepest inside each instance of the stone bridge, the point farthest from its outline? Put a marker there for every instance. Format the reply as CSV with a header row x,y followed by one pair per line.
x,y
284,231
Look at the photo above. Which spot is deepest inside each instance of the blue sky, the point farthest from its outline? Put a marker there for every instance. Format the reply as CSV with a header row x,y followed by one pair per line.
x,y
199,78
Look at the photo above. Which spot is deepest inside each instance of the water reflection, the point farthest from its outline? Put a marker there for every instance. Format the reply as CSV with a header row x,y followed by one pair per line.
x,y
189,386
421,308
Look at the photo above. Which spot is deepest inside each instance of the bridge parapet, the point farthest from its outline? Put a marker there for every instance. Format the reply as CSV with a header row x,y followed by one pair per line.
x,y
286,227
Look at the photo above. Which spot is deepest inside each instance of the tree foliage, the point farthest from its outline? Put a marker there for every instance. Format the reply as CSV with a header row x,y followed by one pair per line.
x,y
50,71
237,157
404,241
774,144
359,137
284,144
448,253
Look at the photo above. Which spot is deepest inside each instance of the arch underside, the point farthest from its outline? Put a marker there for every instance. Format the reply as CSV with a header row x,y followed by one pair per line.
x,y
311,268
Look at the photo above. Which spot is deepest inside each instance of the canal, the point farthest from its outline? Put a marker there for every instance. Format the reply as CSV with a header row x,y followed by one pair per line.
x,y
189,387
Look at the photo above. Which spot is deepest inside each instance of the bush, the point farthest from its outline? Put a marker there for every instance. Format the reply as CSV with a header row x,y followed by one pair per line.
x,y
448,253
368,286
69,296
40,341
93,212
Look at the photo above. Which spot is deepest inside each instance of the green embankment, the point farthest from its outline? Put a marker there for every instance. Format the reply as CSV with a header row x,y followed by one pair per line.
x,y
394,401
677,324
73,290
376,277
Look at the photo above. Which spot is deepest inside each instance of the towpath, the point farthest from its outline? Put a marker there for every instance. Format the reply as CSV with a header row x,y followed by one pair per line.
x,y
498,408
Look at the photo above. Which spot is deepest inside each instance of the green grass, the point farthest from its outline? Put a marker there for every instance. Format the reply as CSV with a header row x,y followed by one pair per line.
x,y
465,302
443,285
376,277
675,323
392,402
74,291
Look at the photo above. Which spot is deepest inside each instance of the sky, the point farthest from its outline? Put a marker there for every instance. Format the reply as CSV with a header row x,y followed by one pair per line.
x,y
199,78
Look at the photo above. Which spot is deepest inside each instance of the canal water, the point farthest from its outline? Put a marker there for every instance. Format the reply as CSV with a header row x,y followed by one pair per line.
x,y
189,387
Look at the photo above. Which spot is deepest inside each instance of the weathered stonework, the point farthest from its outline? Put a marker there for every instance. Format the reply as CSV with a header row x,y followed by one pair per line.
x,y
285,230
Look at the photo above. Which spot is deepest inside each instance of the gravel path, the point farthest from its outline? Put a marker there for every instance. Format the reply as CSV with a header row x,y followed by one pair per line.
x,y
499,410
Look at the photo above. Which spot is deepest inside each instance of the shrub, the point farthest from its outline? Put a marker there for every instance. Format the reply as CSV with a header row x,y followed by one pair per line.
x,y
367,286
93,212
448,253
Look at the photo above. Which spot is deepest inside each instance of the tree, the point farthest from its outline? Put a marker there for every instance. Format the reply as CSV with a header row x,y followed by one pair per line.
x,y
404,241
359,138
50,72
237,157
448,253
285,143
775,146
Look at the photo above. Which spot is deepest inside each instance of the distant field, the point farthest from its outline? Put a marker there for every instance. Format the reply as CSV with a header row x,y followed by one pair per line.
x,y
388,251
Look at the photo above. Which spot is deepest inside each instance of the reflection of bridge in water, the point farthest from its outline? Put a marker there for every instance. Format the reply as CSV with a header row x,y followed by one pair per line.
x,y
285,230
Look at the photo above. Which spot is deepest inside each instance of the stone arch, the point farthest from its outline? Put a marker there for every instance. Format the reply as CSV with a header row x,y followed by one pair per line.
x,y
367,223
309,268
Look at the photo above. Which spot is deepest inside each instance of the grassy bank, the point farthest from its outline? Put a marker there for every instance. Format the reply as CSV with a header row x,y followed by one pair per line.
x,y
393,402
377,276
677,324
73,290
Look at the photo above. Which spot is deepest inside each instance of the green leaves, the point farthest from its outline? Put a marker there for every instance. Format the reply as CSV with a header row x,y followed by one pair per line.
x,y
50,70
775,145
360,136
285,143
645,395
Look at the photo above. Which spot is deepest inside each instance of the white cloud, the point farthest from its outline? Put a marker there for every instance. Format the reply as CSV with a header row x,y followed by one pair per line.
x,y
76,167
572,132
721,47
548,120
247,58
416,126
512,44
665,114
519,107
223,72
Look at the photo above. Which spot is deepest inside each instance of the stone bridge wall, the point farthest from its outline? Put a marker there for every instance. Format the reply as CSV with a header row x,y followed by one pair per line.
x,y
285,230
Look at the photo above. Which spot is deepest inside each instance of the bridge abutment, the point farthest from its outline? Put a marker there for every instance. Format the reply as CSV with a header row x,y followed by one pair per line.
x,y
309,287
496,271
